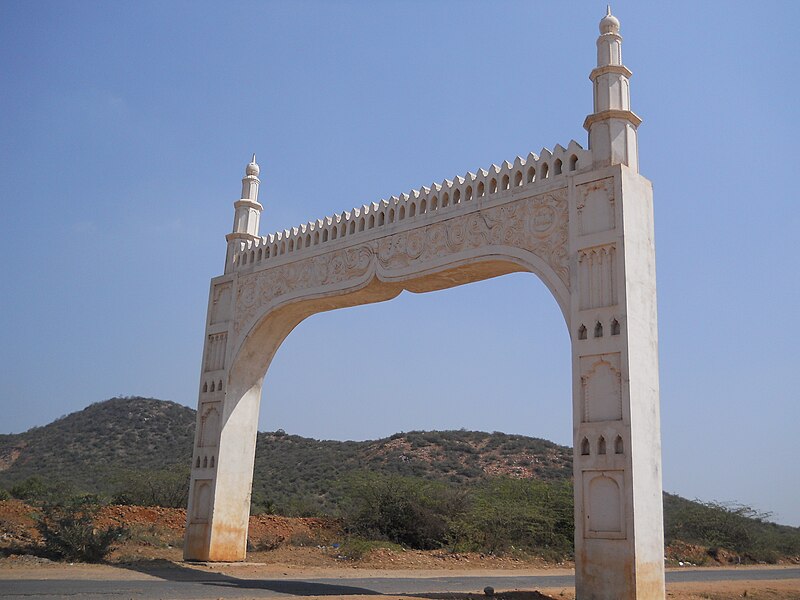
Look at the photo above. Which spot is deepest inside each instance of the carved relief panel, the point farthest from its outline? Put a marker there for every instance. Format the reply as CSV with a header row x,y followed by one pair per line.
x,y
210,421
596,206
601,387
201,501
215,351
603,504
221,303
597,273
538,225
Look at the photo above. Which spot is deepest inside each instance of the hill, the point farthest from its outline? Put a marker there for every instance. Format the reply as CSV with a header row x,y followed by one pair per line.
x,y
91,449
87,448
108,445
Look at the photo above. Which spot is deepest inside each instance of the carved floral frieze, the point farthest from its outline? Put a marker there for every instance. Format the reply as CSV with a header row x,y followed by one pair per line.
x,y
538,225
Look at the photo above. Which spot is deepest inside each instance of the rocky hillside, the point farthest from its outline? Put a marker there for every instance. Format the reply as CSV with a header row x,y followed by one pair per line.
x,y
92,448
87,447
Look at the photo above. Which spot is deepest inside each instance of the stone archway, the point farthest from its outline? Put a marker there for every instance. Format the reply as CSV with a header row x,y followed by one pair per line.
x,y
581,220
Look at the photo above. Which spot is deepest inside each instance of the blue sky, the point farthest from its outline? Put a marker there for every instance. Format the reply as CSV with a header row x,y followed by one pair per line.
x,y
125,129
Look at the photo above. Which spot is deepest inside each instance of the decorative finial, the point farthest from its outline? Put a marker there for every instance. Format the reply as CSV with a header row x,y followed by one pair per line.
x,y
609,23
253,169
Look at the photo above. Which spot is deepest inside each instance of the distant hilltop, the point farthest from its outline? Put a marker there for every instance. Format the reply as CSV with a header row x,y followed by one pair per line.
x,y
90,448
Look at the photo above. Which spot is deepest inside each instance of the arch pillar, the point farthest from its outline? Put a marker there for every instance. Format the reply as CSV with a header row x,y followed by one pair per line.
x,y
619,543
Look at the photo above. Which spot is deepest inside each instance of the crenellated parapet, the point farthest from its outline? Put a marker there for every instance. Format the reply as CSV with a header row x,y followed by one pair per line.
x,y
534,171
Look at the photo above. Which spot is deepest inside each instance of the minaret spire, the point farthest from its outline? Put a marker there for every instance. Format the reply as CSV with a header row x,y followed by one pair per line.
x,y
247,213
612,126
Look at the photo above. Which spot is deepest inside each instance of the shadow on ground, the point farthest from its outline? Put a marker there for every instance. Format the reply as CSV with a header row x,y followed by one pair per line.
x,y
171,571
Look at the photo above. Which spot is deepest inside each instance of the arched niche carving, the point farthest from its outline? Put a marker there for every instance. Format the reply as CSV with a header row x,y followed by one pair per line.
x,y
209,427
202,500
601,387
603,505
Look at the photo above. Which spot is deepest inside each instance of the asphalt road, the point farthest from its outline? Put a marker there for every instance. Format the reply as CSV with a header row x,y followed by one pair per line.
x,y
211,586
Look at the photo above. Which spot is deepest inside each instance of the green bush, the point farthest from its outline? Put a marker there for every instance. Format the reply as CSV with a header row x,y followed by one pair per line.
x,y
4,495
404,510
495,516
165,487
734,527
34,490
520,514
68,531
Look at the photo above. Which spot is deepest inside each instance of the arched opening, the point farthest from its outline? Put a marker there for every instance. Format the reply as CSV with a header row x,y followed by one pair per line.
x,y
421,318
402,213
573,162
481,189
598,330
545,171
445,200
381,219
468,193
557,167
619,447
434,203
585,450
601,445
371,221
355,405
325,235
531,174
505,183
457,196
582,332
412,210
334,232
352,227
518,179
391,215
423,206
493,186
361,224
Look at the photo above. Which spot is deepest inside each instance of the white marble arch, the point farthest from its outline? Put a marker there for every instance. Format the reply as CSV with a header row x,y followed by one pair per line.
x,y
581,220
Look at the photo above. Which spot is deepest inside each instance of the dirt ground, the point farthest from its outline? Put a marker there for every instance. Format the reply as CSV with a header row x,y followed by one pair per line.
x,y
282,547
